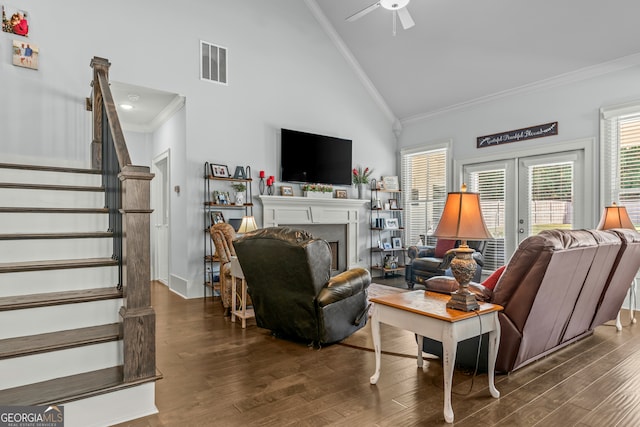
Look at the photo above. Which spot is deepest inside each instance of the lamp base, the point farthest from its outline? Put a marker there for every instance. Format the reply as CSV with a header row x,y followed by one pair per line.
x,y
463,302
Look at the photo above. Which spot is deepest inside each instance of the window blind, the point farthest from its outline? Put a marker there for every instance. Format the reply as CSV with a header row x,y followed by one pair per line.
x,y
424,184
621,168
490,184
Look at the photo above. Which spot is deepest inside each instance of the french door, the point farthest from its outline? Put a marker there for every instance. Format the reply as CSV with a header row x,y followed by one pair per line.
x,y
522,196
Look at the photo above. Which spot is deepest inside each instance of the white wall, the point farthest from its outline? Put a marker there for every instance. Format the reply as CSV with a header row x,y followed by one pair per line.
x,y
574,104
283,72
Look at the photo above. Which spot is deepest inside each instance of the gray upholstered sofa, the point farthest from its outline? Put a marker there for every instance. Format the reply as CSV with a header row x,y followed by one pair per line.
x,y
288,274
557,287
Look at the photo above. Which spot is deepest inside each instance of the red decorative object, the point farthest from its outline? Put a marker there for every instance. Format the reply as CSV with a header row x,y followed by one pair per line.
x,y
442,246
490,282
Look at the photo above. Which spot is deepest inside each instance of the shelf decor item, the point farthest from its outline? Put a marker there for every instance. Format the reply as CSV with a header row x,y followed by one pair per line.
x,y
239,188
318,191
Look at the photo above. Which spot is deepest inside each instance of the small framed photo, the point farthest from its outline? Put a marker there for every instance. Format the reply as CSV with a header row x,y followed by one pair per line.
x,y
222,197
286,190
390,183
387,246
393,204
341,194
391,223
216,217
396,242
219,171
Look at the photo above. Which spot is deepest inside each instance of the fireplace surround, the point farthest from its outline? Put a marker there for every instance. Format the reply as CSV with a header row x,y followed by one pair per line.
x,y
315,215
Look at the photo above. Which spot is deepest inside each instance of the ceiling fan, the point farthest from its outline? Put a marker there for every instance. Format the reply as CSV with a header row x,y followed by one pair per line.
x,y
398,7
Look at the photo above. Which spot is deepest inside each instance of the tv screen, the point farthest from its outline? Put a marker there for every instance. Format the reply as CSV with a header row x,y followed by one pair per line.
x,y
318,159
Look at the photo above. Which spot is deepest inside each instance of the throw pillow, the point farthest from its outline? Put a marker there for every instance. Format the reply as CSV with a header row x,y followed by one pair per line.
x,y
490,282
442,246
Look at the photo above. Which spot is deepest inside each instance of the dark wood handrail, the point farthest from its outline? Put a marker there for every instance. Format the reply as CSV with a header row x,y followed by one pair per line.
x,y
127,198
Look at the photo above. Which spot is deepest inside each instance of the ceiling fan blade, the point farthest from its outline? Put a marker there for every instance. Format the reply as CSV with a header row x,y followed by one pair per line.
x,y
363,12
405,18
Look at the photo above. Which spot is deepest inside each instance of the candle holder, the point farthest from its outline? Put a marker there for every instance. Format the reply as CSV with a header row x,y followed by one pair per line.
x,y
261,186
270,190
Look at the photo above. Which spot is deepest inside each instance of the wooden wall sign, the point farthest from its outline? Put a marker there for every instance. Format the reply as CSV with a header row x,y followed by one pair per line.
x,y
523,134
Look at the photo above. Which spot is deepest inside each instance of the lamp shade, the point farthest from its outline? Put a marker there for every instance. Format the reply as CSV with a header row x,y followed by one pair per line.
x,y
615,216
462,218
248,224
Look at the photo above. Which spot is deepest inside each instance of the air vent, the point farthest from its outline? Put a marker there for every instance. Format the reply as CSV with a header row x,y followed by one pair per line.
x,y
213,63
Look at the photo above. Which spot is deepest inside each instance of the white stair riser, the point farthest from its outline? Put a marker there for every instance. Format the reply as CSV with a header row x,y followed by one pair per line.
x,y
33,321
45,281
17,197
53,249
24,176
20,371
32,222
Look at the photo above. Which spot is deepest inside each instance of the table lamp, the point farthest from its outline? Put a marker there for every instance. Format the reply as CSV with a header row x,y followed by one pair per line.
x,y
615,216
248,224
462,220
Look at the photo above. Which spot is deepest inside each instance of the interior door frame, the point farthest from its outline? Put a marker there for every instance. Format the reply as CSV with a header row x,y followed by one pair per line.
x,y
156,205
589,176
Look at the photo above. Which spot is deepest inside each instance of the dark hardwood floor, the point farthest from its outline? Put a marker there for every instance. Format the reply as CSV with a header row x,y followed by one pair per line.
x,y
218,374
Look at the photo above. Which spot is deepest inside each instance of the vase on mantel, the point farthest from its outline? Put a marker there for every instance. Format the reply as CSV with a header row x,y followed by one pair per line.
x,y
362,189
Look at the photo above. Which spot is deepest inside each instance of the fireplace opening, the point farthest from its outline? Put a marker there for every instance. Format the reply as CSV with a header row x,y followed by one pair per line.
x,y
334,255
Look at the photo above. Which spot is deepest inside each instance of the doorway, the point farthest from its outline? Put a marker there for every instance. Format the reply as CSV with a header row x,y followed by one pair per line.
x,y
160,203
524,195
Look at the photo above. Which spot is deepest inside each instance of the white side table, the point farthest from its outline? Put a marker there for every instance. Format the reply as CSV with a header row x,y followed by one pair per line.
x,y
239,300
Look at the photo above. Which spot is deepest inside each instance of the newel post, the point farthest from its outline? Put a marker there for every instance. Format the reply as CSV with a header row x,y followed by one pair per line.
x,y
138,316
99,65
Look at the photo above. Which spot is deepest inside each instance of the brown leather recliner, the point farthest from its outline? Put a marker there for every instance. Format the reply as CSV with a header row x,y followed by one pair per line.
x,y
288,274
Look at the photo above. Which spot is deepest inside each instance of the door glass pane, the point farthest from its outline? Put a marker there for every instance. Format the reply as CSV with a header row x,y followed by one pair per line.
x,y
550,197
491,184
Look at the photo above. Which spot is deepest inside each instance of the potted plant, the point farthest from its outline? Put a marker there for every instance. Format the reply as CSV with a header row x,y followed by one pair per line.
x,y
239,188
318,191
361,179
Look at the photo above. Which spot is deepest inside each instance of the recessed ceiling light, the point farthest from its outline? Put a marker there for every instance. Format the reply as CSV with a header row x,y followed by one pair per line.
x,y
126,106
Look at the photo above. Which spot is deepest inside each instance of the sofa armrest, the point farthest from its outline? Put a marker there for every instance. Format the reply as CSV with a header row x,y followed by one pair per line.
x,y
414,252
344,285
447,285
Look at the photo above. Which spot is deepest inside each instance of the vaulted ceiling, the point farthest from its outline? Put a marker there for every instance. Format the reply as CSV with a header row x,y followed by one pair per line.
x,y
464,51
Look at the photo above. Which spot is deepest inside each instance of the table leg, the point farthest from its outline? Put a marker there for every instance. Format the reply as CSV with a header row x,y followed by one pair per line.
x,y
375,332
632,301
494,339
233,298
420,360
449,349
243,283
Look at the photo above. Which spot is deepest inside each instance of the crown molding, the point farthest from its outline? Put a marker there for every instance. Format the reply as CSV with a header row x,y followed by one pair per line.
x,y
560,80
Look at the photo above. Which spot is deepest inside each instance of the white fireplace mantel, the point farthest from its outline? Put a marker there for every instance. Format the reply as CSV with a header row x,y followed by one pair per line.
x,y
291,210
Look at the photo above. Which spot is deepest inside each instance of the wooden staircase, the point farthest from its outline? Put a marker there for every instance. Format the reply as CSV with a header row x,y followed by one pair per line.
x,y
61,340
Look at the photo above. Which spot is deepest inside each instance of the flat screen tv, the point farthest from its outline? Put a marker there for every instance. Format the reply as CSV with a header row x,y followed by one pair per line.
x,y
311,158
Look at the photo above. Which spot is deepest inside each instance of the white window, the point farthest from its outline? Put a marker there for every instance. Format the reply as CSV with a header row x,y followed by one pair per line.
x,y
620,144
213,63
424,186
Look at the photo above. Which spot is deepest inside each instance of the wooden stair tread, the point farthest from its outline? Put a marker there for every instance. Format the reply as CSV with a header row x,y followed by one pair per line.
x,y
50,187
11,267
9,209
67,389
18,302
60,340
29,236
50,168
